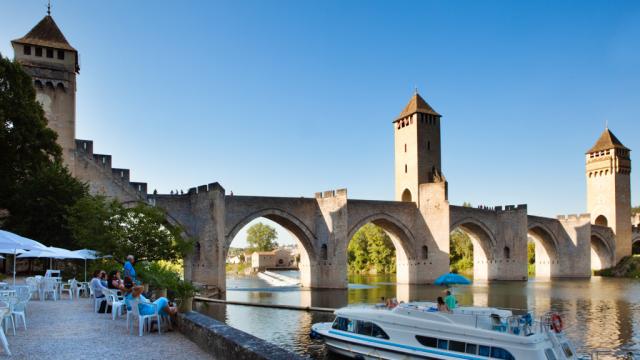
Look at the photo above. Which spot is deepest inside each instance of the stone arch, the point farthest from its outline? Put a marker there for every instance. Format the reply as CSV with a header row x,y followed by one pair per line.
x,y
635,243
282,218
406,195
402,238
601,221
546,250
308,254
601,253
484,243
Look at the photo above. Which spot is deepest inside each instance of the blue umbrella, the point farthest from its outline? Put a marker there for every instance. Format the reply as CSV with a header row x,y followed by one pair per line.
x,y
452,279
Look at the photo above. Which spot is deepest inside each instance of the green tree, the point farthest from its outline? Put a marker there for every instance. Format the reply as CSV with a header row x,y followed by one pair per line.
x,y
261,237
370,250
40,205
460,251
27,145
142,231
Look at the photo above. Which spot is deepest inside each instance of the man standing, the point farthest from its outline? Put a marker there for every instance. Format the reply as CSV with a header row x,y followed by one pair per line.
x,y
128,268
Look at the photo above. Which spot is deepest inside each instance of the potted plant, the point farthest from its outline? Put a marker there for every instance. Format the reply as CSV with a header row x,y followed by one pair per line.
x,y
184,291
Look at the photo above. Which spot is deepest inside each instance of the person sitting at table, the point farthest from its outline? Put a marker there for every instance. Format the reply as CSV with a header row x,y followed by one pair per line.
x,y
114,281
97,287
145,308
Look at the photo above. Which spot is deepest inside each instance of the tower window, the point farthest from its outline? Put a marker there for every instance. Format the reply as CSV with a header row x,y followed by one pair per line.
x,y
60,54
50,53
428,145
38,51
27,50
405,147
405,168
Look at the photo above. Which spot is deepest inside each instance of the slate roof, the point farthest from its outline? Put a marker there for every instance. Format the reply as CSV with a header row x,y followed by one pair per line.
x,y
607,141
46,33
417,104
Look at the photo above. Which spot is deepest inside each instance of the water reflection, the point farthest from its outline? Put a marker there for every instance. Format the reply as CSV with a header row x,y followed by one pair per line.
x,y
598,313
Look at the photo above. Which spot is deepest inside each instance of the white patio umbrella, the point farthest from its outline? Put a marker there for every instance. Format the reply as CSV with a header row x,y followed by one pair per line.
x,y
51,253
87,255
15,243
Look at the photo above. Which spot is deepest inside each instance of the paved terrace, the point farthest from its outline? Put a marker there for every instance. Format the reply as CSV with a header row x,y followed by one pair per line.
x,y
66,329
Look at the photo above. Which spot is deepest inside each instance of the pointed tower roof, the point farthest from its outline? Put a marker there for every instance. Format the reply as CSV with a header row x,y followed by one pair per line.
x,y
607,141
417,105
46,33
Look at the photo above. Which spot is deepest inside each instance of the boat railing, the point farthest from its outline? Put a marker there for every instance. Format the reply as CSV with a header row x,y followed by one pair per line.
x,y
599,354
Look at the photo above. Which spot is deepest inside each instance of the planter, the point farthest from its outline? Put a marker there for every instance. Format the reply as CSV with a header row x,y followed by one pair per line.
x,y
186,305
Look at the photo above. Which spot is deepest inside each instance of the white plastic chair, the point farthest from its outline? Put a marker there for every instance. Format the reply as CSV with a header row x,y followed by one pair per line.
x,y
19,309
50,287
117,304
143,320
5,345
32,283
70,287
7,316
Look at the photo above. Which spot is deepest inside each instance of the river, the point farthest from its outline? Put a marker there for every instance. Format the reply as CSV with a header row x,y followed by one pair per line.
x,y
598,313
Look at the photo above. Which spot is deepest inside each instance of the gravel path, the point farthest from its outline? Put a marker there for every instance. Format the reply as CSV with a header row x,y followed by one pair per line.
x,y
66,329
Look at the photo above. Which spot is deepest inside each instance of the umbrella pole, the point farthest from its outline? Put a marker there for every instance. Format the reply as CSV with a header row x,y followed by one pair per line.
x,y
85,270
15,251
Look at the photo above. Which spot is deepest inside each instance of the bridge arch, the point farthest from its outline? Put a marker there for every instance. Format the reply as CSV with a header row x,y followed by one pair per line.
x,y
402,238
635,243
291,223
546,250
484,242
601,253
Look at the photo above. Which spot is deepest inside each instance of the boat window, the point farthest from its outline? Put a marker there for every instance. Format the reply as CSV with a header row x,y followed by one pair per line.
x,y
456,346
471,348
351,326
500,353
427,341
377,332
341,324
567,350
364,328
550,355
484,350
443,344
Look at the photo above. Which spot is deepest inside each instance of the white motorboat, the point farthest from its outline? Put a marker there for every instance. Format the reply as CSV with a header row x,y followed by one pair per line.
x,y
418,331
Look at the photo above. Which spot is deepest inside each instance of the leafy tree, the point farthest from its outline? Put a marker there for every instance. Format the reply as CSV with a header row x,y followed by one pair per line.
x,y
40,204
27,145
262,237
142,231
635,210
531,252
371,249
460,251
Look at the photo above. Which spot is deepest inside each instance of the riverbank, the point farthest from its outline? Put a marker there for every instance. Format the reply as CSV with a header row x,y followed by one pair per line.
x,y
629,267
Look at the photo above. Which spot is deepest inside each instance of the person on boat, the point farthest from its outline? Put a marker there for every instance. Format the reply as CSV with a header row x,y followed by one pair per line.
x,y
451,301
442,307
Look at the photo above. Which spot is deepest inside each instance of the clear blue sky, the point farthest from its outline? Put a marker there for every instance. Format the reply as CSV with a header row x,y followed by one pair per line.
x,y
287,98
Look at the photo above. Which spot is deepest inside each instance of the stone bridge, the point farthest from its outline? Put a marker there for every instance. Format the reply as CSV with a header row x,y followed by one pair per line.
x,y
323,225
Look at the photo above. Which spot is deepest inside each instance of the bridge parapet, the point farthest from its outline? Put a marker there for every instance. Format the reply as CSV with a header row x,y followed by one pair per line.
x,y
205,188
574,217
331,193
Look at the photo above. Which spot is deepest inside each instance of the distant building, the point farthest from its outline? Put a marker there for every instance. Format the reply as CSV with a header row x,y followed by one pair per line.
x,y
278,258
234,260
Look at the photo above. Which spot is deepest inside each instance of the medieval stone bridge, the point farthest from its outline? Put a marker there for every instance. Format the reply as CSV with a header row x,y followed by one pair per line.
x,y
325,224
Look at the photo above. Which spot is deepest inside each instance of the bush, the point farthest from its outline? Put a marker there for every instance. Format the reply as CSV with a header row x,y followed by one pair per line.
x,y
157,275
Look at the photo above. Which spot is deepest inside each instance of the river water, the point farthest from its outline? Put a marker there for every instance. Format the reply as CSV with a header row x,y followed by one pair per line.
x,y
598,313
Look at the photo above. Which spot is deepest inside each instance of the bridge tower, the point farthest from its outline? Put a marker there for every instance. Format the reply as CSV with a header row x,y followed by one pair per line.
x,y
608,170
46,55
417,149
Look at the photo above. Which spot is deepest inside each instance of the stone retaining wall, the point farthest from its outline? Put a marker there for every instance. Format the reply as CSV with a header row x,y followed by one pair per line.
x,y
225,342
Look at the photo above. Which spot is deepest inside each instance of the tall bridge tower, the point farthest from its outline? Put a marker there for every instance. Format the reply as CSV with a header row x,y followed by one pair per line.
x,y
46,55
417,149
608,170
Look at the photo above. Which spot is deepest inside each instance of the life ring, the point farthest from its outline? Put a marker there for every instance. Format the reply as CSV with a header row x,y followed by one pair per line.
x,y
556,323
